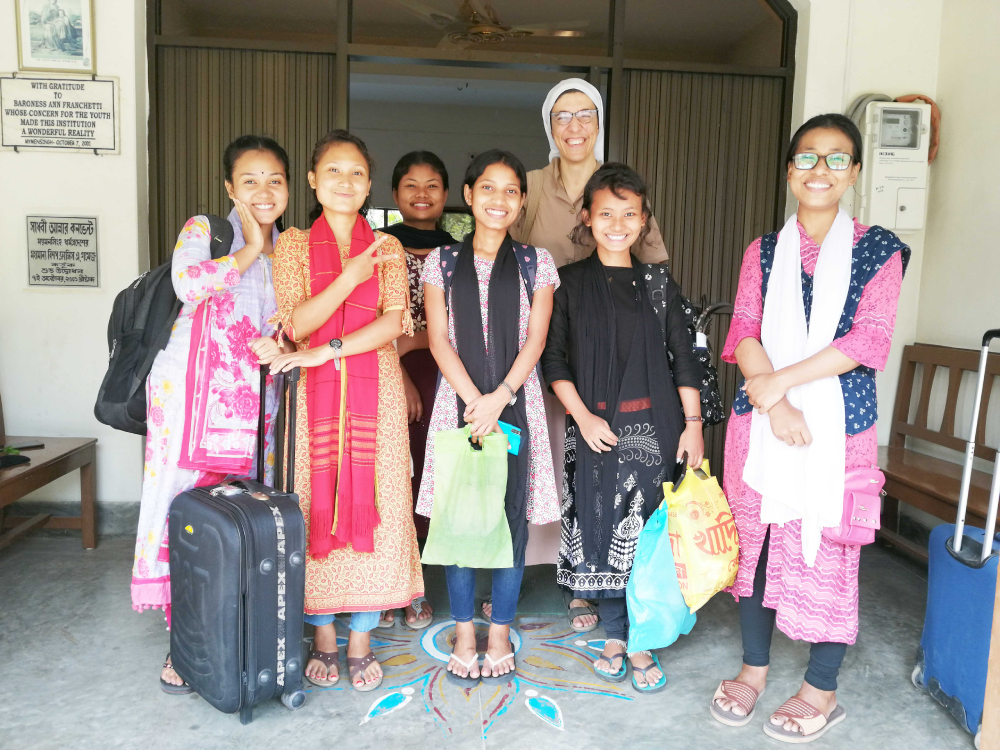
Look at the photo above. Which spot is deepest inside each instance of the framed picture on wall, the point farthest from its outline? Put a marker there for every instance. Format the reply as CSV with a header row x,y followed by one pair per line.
x,y
55,35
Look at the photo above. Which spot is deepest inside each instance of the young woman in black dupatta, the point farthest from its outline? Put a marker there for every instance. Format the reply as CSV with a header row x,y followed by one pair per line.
x,y
420,190
632,392
488,365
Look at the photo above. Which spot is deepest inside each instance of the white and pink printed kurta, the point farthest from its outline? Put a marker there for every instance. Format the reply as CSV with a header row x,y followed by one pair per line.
x,y
242,304
543,501
819,603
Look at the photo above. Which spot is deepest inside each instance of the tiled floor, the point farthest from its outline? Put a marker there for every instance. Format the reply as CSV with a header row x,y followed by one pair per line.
x,y
78,669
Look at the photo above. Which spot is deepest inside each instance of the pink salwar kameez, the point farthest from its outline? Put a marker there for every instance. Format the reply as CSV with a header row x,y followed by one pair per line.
x,y
200,440
818,603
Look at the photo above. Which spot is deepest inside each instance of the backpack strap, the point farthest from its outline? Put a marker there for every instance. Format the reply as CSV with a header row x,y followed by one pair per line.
x,y
221,236
656,286
534,199
527,261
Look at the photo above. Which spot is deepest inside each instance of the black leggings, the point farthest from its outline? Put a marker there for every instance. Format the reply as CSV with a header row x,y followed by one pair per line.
x,y
757,625
614,617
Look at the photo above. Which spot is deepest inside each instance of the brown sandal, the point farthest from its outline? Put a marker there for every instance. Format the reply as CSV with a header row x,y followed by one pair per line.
x,y
743,695
327,659
357,666
811,723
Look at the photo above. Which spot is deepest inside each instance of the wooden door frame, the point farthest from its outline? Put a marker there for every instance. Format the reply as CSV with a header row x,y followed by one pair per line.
x,y
592,67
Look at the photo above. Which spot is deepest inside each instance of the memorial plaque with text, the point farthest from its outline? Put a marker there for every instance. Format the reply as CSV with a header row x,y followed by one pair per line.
x,y
59,113
62,251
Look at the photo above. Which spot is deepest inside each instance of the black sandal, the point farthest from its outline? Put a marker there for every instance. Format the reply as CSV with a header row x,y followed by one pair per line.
x,y
328,659
170,689
622,672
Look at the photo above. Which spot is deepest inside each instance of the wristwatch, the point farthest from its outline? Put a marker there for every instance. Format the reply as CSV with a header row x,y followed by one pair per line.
x,y
336,345
513,396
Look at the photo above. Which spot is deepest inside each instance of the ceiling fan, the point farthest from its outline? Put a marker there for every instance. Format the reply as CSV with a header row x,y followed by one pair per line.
x,y
478,23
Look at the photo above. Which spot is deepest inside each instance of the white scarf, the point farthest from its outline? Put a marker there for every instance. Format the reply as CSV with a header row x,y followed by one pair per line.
x,y
595,96
804,482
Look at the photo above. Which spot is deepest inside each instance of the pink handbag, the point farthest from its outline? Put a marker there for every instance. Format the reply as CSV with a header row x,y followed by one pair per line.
x,y
862,507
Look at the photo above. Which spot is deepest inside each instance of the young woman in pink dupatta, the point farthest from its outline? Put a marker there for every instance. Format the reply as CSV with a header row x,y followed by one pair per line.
x,y
203,392
343,298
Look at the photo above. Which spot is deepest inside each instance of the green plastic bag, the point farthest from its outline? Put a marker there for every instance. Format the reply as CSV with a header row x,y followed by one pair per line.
x,y
468,524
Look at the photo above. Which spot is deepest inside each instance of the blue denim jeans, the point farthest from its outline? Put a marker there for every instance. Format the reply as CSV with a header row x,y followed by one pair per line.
x,y
361,622
462,593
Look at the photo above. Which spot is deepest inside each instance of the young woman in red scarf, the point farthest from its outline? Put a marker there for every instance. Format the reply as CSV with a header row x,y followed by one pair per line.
x,y
343,298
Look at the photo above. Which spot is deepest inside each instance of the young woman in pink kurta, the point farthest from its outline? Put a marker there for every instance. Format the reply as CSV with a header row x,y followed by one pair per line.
x,y
815,602
203,392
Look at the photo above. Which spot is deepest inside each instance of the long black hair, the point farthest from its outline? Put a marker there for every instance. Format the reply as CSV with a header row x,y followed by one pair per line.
x,y
416,159
330,139
833,121
618,178
495,156
247,143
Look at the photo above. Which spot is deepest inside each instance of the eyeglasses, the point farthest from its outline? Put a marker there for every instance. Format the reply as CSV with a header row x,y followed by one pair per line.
x,y
584,116
837,162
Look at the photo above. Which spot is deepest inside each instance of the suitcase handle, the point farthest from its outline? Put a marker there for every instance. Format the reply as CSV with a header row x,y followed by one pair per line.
x,y
970,453
291,382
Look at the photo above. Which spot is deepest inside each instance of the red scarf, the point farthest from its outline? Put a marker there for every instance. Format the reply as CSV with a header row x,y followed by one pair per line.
x,y
342,406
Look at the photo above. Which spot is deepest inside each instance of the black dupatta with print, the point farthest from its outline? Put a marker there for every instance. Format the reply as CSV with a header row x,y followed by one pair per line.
x,y
608,496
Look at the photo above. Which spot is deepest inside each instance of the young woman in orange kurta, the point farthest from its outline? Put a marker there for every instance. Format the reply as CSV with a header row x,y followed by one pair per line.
x,y
372,564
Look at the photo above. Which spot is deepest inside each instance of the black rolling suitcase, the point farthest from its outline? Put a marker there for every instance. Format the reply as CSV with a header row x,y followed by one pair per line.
x,y
237,587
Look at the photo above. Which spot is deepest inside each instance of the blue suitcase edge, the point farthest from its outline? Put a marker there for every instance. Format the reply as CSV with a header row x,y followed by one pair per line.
x,y
951,661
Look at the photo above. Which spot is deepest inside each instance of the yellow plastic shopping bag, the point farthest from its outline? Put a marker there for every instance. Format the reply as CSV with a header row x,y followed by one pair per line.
x,y
702,535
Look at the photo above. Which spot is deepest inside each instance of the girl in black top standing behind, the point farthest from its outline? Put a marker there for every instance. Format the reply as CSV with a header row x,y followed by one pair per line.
x,y
631,411
420,190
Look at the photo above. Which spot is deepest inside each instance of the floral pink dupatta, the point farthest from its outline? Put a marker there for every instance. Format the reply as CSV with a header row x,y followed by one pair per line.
x,y
222,391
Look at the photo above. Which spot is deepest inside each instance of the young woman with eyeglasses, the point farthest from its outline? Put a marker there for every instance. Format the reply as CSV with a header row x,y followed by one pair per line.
x,y
813,321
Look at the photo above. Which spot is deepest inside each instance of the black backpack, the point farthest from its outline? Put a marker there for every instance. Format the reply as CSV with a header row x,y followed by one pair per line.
x,y
141,320
662,288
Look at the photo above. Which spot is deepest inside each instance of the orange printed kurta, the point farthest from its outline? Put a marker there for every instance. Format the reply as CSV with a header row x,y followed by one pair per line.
x,y
349,581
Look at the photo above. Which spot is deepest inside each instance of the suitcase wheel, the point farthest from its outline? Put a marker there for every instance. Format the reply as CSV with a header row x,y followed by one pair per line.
x,y
246,715
917,677
294,700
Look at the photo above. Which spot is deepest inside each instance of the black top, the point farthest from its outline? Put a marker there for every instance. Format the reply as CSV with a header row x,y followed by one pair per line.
x,y
622,283
555,360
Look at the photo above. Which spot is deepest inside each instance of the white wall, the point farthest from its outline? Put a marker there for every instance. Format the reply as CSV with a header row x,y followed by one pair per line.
x,y
846,48
960,290
53,349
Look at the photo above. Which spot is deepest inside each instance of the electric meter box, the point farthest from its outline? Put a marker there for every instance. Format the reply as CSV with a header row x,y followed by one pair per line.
x,y
892,187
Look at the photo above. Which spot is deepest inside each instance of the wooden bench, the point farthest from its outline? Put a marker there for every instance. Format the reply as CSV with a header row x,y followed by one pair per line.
x,y
926,482
59,456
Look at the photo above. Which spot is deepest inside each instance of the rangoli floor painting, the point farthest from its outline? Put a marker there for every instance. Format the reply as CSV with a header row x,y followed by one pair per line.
x,y
552,660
